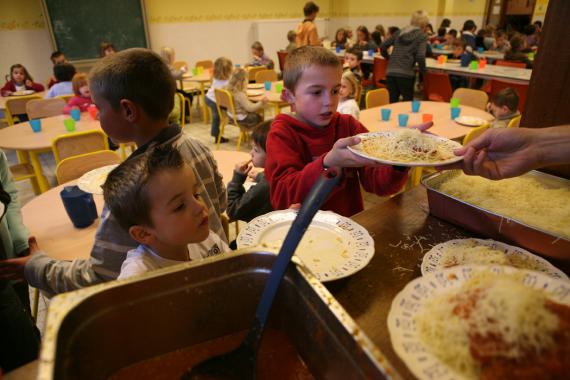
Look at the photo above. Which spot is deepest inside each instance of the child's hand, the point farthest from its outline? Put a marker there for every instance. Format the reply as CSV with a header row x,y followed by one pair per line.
x,y
29,83
340,157
243,167
253,174
184,69
13,269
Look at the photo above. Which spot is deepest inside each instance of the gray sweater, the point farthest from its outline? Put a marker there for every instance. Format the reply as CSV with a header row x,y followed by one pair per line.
x,y
409,47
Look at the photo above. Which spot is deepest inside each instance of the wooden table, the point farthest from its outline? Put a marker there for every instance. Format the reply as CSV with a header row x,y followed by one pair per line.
x,y
20,137
202,79
490,55
443,125
227,160
512,74
47,220
3,99
273,97
366,58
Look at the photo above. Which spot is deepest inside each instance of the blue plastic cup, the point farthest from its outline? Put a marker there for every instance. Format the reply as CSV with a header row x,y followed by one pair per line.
x,y
371,52
75,114
237,65
416,106
385,114
36,125
480,50
403,120
338,49
267,85
455,111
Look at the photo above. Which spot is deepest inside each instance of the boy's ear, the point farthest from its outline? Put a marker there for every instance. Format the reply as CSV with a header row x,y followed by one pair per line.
x,y
130,110
141,234
288,96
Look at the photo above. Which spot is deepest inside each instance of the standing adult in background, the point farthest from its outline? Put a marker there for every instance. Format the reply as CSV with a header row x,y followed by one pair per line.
x,y
307,31
409,47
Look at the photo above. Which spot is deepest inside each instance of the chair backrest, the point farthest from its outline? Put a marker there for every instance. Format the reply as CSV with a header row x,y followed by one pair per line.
x,y
253,70
474,133
16,105
206,64
437,87
65,97
282,56
515,122
473,98
379,71
74,167
76,143
501,62
177,65
265,75
180,99
225,101
38,108
377,98
521,90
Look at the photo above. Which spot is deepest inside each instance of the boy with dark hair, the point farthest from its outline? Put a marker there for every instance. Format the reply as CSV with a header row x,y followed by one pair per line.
x,y
246,205
352,61
307,31
134,92
468,34
63,73
301,145
56,57
504,106
156,198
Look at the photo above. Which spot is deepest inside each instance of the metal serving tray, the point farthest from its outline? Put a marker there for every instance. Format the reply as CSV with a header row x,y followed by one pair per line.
x,y
493,225
93,332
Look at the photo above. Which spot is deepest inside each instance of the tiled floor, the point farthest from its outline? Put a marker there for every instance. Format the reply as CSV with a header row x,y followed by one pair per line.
x,y
197,129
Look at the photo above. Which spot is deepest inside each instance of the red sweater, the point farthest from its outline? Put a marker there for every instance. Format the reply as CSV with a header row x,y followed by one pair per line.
x,y
10,87
80,102
295,153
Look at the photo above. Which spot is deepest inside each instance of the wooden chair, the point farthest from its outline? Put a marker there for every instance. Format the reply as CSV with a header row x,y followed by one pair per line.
x,y
73,144
123,149
473,98
282,57
379,72
515,122
263,76
65,97
474,133
521,90
253,70
38,108
206,64
24,171
74,167
182,102
224,103
377,98
520,65
177,65
437,87
16,105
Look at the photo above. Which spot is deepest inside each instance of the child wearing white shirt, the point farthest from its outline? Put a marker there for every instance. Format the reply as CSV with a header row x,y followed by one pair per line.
x,y
349,88
155,197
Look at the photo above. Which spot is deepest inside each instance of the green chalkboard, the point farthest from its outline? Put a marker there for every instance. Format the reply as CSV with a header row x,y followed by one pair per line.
x,y
79,26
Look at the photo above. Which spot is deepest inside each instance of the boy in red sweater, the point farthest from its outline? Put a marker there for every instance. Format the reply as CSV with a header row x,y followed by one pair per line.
x,y
301,145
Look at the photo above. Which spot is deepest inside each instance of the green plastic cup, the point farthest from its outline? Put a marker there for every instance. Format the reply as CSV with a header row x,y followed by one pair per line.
x,y
69,125
279,87
454,102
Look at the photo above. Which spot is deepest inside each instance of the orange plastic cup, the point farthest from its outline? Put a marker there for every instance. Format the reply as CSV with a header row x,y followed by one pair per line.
x,y
440,59
427,117
482,63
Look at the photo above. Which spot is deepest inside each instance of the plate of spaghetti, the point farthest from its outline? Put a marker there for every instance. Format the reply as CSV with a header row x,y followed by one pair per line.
x,y
483,322
406,147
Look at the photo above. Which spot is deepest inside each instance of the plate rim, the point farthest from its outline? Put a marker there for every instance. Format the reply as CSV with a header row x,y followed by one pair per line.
x,y
518,250
81,180
360,153
471,125
366,235
22,93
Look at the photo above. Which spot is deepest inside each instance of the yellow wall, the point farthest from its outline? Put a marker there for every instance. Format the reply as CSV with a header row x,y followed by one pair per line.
x,y
540,8
464,7
21,14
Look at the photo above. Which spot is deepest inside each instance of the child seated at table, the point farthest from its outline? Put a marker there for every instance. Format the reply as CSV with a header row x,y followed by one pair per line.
x,y
300,146
169,56
82,98
517,52
134,92
246,205
156,198
56,57
504,106
63,72
221,75
246,111
352,61
450,37
20,80
291,37
349,88
259,57
460,52
340,39
501,43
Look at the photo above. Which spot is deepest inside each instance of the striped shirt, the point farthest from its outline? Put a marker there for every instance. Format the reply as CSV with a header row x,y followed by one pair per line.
x,y
409,47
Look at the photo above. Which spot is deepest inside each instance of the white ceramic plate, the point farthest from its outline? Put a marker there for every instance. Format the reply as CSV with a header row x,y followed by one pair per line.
x,y
23,93
410,301
255,92
432,259
358,150
333,246
91,181
252,86
470,121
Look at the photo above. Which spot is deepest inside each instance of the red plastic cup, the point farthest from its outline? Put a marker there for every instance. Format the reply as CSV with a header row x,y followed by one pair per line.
x,y
427,117
93,111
